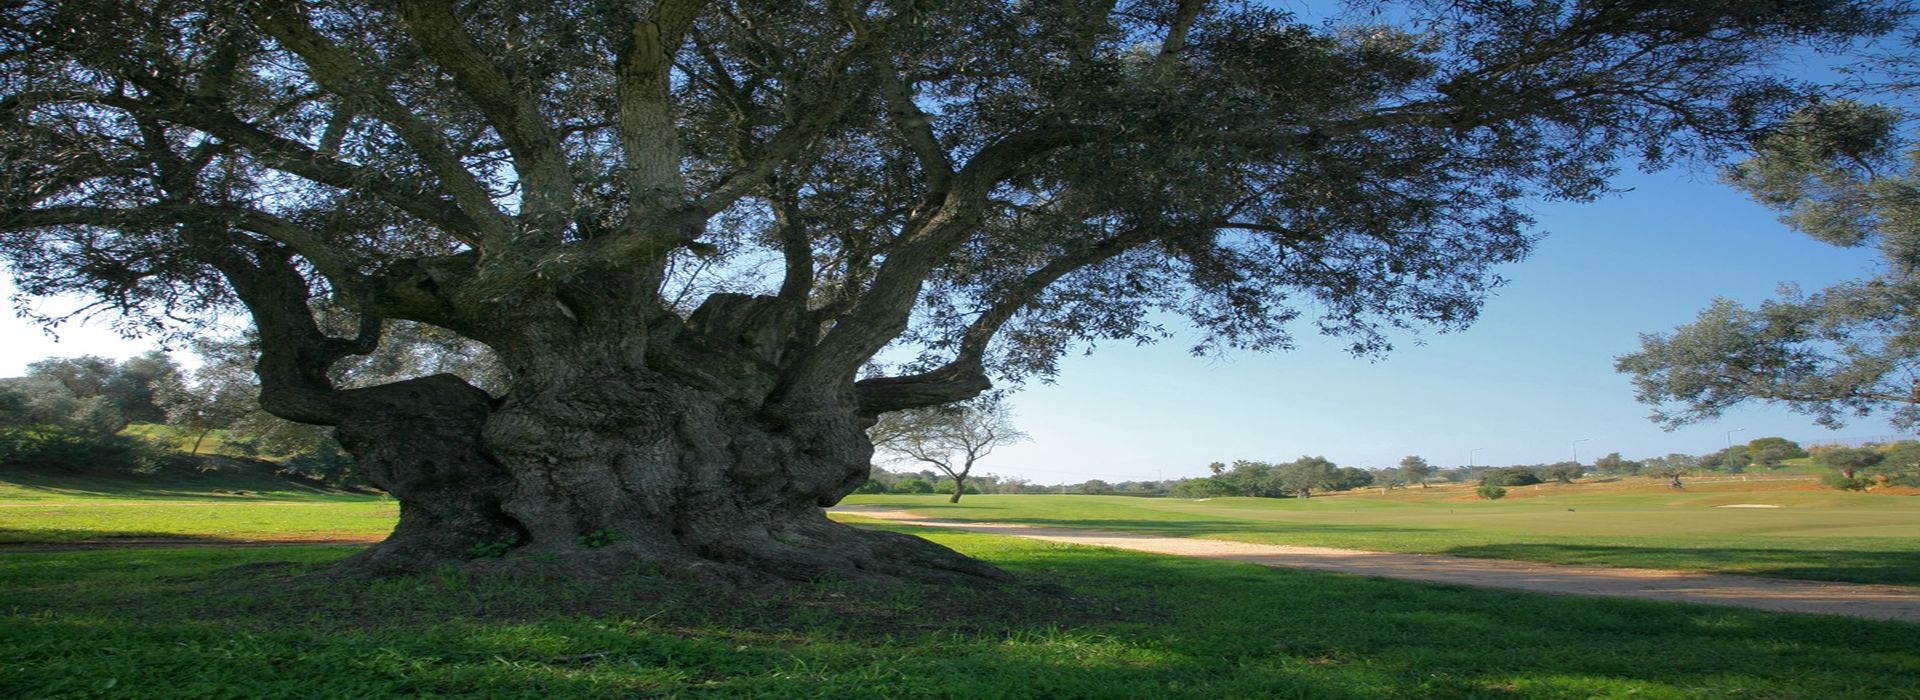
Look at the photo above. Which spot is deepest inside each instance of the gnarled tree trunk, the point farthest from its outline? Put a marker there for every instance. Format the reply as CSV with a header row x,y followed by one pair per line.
x,y
625,441
609,473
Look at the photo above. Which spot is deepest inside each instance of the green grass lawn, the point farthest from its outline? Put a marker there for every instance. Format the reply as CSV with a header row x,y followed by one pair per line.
x,y
239,505
214,521
1813,534
196,622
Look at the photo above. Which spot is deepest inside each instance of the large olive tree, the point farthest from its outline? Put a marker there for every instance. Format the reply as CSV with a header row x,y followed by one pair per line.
x,y
684,227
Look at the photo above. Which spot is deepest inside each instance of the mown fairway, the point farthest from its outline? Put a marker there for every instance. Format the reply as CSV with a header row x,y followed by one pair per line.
x,y
235,520
1812,534
204,621
209,622
84,508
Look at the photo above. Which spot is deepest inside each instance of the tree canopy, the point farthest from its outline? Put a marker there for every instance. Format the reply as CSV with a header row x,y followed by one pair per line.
x,y
1065,167
1415,469
1845,173
96,393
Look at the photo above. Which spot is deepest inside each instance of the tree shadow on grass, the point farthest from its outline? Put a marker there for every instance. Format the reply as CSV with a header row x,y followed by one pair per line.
x,y
1134,626
1895,567
239,480
1852,566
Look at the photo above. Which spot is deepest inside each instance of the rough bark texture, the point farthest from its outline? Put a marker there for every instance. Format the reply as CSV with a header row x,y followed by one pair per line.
x,y
614,474
627,446
420,441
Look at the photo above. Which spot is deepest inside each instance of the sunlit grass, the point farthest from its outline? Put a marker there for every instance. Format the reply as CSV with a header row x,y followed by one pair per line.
x,y
1811,534
210,520
244,623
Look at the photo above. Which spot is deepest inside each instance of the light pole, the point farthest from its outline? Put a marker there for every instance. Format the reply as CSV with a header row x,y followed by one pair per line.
x,y
1471,453
1576,449
1727,461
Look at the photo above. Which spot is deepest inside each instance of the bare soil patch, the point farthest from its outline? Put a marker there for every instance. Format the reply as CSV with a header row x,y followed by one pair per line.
x,y
1854,600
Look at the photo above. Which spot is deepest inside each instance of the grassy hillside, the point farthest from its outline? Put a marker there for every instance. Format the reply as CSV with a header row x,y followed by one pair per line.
x,y
219,469
214,442
1808,532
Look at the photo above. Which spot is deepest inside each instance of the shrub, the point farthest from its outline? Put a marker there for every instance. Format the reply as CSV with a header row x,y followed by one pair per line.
x,y
1510,476
76,449
1492,492
1847,483
324,462
1847,460
1206,487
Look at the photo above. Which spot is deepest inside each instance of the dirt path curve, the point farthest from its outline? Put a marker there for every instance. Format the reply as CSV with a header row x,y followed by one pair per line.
x,y
1854,600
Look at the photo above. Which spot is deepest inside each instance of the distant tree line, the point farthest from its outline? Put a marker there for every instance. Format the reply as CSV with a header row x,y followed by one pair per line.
x,y
1301,478
881,480
1855,468
1866,466
69,413
141,414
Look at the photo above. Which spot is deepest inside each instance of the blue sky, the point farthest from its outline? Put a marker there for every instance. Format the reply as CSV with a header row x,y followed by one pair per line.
x,y
1531,377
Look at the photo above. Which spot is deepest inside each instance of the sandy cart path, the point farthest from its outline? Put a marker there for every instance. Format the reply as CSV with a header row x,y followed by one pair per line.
x,y
1855,600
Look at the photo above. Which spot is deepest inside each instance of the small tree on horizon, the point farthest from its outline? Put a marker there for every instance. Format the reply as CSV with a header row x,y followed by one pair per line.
x,y
952,438
1414,469
1563,472
1769,452
206,405
1305,475
1672,472
1613,463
